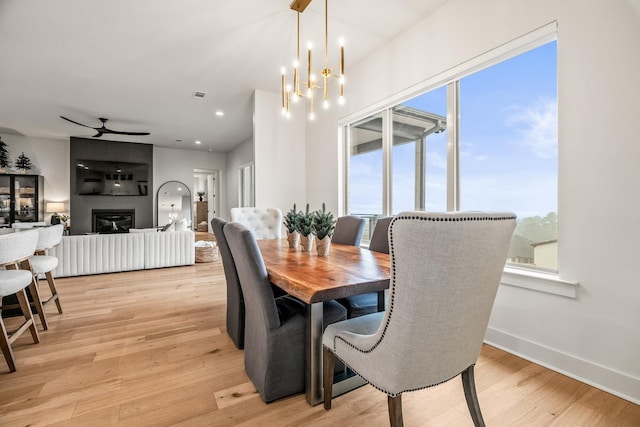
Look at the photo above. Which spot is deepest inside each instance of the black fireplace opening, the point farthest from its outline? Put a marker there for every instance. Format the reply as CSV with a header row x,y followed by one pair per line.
x,y
108,221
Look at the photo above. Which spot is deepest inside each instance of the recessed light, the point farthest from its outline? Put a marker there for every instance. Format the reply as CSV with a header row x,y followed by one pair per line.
x,y
198,142
219,113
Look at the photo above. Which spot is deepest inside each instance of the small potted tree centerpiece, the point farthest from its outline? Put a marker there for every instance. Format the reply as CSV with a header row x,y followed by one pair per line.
x,y
304,223
323,227
290,222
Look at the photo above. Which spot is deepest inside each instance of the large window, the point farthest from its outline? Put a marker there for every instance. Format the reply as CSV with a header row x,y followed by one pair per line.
x,y
486,141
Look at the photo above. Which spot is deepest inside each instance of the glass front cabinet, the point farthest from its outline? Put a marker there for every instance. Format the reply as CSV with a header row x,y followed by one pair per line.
x,y
21,198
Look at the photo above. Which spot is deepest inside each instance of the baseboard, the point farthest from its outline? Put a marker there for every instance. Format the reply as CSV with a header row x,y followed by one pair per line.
x,y
614,382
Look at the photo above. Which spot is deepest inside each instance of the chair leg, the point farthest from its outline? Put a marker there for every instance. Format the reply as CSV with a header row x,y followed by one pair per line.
x,y
35,293
54,291
470,394
6,347
26,311
6,340
395,411
328,362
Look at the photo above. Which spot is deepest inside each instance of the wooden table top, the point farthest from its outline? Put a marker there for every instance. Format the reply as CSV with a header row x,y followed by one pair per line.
x,y
348,270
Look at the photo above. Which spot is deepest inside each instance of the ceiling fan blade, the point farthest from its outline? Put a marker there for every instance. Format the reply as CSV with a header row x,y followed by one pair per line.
x,y
69,120
97,135
117,132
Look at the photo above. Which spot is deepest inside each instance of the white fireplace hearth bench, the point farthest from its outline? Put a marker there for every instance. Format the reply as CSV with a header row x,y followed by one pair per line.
x,y
111,253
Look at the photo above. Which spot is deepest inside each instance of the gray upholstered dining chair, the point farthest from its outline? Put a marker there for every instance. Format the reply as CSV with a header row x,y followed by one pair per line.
x,y
235,299
359,305
348,230
274,342
14,249
41,263
445,272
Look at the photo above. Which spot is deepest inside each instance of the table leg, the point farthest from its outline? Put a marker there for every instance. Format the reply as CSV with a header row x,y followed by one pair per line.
x,y
381,298
313,354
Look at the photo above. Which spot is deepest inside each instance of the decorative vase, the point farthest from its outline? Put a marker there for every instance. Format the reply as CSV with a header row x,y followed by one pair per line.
x,y
200,198
306,242
294,239
323,246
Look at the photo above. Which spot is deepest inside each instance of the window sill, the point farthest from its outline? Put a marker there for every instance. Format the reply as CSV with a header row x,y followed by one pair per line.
x,y
549,283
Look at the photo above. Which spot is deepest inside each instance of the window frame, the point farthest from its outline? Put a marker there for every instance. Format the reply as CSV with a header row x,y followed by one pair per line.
x,y
514,275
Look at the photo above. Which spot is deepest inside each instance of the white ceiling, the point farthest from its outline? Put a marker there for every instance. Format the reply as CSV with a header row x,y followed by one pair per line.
x,y
139,62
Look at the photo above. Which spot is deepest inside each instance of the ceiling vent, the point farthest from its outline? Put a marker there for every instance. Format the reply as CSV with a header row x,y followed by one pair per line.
x,y
198,95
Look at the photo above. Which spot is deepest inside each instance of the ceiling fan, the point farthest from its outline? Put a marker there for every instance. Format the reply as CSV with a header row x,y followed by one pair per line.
x,y
104,130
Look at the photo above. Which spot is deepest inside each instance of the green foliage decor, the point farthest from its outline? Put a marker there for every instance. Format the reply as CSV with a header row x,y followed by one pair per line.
x,y
23,162
291,219
304,223
323,223
4,155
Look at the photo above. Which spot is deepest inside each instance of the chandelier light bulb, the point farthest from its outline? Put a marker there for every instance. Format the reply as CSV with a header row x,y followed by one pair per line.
x,y
341,100
341,41
296,97
295,63
283,71
312,116
325,104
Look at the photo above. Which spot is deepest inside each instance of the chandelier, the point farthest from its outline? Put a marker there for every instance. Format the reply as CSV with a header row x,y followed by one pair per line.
x,y
306,89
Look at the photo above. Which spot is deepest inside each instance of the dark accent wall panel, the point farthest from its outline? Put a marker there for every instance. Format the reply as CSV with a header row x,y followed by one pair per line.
x,y
95,149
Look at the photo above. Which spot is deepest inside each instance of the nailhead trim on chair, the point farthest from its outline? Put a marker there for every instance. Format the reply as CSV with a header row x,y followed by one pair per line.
x,y
393,279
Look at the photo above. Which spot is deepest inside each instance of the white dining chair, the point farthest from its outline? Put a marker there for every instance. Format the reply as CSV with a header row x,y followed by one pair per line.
x,y
445,271
264,223
43,264
14,249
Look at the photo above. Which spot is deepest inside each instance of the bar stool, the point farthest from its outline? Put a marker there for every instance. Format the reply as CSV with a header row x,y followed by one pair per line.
x,y
14,249
41,263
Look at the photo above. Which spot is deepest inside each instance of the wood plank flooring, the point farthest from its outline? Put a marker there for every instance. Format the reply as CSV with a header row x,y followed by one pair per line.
x,y
149,348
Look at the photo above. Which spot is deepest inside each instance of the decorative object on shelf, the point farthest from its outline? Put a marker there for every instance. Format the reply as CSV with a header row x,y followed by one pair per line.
x,y
23,163
323,227
53,208
295,92
201,194
303,224
4,156
290,223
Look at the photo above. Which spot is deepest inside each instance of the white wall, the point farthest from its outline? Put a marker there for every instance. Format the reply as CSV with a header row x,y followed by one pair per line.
x,y
237,157
170,164
280,159
51,158
594,337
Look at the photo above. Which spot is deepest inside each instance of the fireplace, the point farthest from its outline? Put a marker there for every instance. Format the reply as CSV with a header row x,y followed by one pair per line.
x,y
107,221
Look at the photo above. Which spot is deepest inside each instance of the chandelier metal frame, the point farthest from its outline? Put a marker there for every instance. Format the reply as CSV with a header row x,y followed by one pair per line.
x,y
294,92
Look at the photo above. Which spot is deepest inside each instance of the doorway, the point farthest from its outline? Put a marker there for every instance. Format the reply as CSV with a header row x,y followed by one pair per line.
x,y
206,184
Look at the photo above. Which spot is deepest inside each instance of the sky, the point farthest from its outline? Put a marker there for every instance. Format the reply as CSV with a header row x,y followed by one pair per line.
x,y
508,144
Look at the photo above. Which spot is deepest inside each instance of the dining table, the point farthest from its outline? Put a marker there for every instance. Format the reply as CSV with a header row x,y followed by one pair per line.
x,y
346,271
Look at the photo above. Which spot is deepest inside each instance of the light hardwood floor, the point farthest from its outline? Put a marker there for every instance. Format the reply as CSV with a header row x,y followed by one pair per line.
x,y
148,348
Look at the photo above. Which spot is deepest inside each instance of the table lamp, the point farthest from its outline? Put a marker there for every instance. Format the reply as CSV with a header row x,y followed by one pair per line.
x,y
54,208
